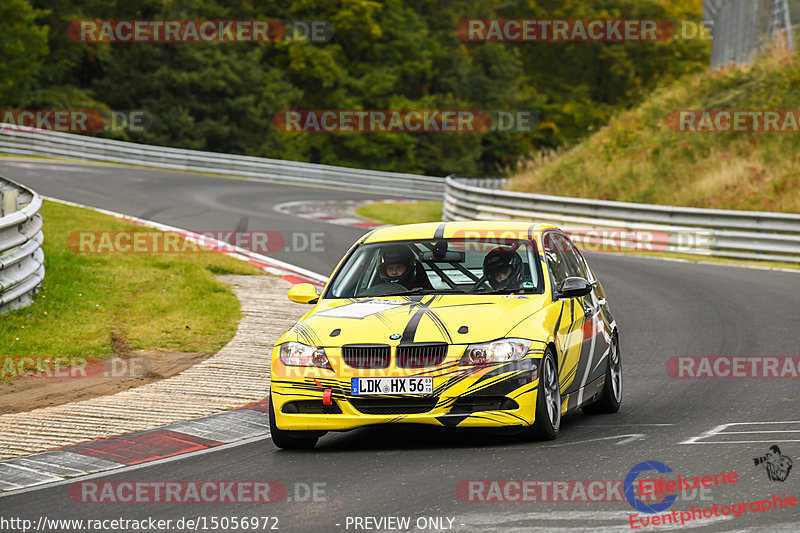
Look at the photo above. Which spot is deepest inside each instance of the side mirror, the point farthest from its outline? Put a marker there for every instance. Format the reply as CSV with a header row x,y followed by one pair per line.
x,y
574,288
305,293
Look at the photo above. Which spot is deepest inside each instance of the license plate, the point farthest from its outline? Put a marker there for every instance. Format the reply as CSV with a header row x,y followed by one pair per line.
x,y
391,386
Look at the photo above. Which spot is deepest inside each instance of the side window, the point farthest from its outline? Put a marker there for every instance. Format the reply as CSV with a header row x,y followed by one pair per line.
x,y
574,262
588,274
554,255
369,271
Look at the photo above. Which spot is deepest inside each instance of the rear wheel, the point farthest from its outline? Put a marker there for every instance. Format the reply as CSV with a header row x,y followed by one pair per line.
x,y
611,397
291,440
548,401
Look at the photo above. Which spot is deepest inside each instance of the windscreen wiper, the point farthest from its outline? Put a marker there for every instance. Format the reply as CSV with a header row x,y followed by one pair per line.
x,y
506,291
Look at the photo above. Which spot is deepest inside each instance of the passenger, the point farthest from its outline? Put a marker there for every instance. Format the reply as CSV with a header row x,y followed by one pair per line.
x,y
503,268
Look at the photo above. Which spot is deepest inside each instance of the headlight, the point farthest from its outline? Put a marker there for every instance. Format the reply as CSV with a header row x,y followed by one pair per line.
x,y
499,351
296,354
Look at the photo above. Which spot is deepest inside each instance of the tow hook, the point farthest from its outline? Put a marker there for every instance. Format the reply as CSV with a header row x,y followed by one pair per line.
x,y
327,394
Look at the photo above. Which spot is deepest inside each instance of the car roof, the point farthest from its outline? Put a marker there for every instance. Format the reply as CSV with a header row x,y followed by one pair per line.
x,y
465,229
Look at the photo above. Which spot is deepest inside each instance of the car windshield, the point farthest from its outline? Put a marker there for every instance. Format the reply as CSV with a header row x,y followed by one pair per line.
x,y
441,266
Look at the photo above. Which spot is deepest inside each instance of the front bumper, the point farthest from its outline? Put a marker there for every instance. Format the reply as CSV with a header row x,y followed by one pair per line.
x,y
493,395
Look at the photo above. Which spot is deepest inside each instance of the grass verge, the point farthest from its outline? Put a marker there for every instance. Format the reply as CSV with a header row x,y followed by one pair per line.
x,y
95,305
643,155
396,213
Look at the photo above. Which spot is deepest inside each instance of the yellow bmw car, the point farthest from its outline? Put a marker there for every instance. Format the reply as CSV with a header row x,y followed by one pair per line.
x,y
457,324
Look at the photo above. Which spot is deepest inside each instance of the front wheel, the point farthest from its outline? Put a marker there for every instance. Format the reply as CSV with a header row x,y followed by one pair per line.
x,y
548,401
290,440
611,397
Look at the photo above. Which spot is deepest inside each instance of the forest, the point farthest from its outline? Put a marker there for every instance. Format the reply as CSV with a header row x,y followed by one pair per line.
x,y
375,55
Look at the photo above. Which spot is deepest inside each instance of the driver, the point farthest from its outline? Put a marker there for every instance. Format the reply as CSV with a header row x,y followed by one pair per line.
x,y
503,268
398,265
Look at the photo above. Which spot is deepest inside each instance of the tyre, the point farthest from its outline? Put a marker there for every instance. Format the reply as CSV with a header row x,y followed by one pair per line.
x,y
611,397
291,440
548,401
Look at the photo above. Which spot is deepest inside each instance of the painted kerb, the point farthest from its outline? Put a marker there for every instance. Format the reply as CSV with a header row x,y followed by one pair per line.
x,y
754,235
21,256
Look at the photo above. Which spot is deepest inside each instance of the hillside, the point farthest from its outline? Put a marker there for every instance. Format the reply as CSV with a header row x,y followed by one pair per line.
x,y
643,156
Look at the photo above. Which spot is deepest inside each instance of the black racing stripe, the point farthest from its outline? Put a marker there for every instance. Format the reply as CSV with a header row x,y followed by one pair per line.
x,y
555,336
302,332
490,418
570,332
524,365
411,328
460,376
383,319
451,420
309,334
496,417
570,376
460,305
439,324
439,233
501,387
558,322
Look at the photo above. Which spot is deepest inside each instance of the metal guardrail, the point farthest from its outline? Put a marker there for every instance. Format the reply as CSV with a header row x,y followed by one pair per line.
x,y
30,141
714,232
21,255
718,232
740,28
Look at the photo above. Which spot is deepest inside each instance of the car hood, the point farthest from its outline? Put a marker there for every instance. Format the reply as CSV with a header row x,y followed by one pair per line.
x,y
455,319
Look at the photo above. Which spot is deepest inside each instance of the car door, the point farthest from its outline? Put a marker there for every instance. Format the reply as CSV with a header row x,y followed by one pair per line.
x,y
594,342
568,331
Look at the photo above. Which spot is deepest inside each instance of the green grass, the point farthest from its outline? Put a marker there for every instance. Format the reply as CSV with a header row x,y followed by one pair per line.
x,y
91,305
638,157
396,213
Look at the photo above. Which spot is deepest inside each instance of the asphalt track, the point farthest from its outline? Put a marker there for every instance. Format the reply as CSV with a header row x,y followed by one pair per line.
x,y
664,309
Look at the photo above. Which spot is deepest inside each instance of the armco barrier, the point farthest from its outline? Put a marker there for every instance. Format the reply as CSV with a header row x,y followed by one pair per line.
x,y
715,232
21,256
30,141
